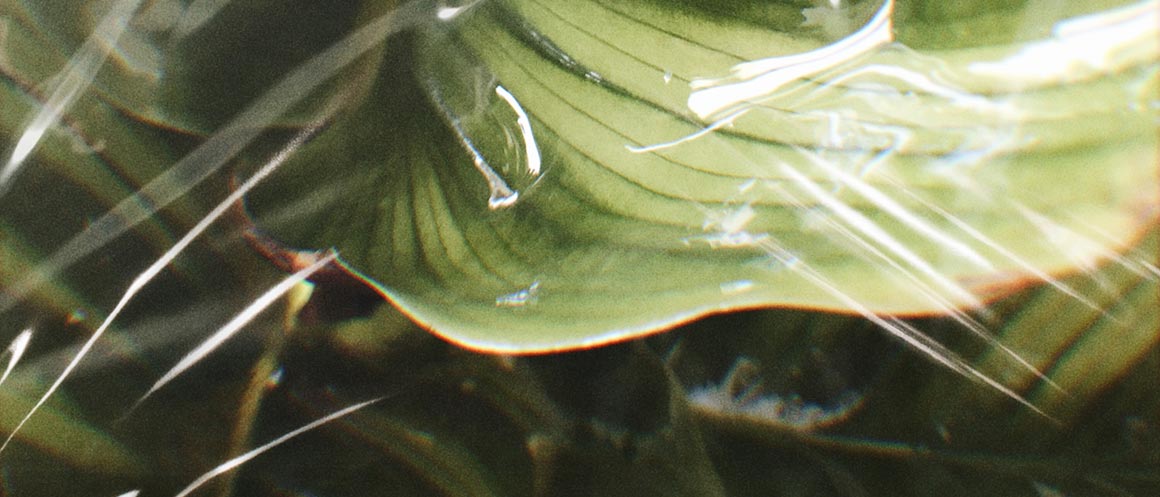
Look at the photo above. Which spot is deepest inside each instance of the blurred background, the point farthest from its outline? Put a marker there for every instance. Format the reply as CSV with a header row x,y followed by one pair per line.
x,y
124,124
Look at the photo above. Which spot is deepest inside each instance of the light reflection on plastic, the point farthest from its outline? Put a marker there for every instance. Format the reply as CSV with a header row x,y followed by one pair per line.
x,y
761,78
525,125
737,287
731,220
726,228
718,124
15,352
1077,248
154,269
1002,250
859,222
1151,267
232,464
725,239
238,322
500,194
863,232
781,257
211,155
1098,235
896,209
449,13
953,95
521,298
137,51
196,14
1089,41
77,75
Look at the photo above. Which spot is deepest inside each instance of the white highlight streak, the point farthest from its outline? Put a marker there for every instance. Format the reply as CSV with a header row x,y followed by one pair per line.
x,y
221,147
77,75
16,348
244,458
152,271
196,15
716,125
923,82
1011,256
760,78
525,125
868,227
900,329
968,322
501,195
237,323
449,13
1091,41
520,298
1150,267
895,209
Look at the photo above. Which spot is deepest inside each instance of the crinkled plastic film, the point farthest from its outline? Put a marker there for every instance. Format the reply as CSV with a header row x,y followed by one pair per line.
x,y
545,247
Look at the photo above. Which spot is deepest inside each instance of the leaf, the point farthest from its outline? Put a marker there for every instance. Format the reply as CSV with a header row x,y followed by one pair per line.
x,y
891,182
1083,350
156,74
73,440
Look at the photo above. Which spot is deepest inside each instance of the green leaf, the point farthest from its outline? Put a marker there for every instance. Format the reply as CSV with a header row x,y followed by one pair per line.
x,y
1082,350
57,430
156,73
927,188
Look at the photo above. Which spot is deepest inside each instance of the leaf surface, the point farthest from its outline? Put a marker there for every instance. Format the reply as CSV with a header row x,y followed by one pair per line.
x,y
890,182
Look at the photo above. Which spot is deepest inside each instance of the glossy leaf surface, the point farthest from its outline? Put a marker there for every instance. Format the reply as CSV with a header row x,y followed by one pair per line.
x,y
533,186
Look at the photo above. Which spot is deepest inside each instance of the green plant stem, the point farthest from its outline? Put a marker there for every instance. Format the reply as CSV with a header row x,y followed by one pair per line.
x,y
251,403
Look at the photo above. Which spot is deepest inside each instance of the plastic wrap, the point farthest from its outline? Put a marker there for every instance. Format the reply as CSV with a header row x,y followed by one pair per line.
x,y
543,247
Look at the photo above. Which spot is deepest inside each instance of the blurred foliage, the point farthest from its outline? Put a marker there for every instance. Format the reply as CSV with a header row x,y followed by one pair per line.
x,y
619,420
